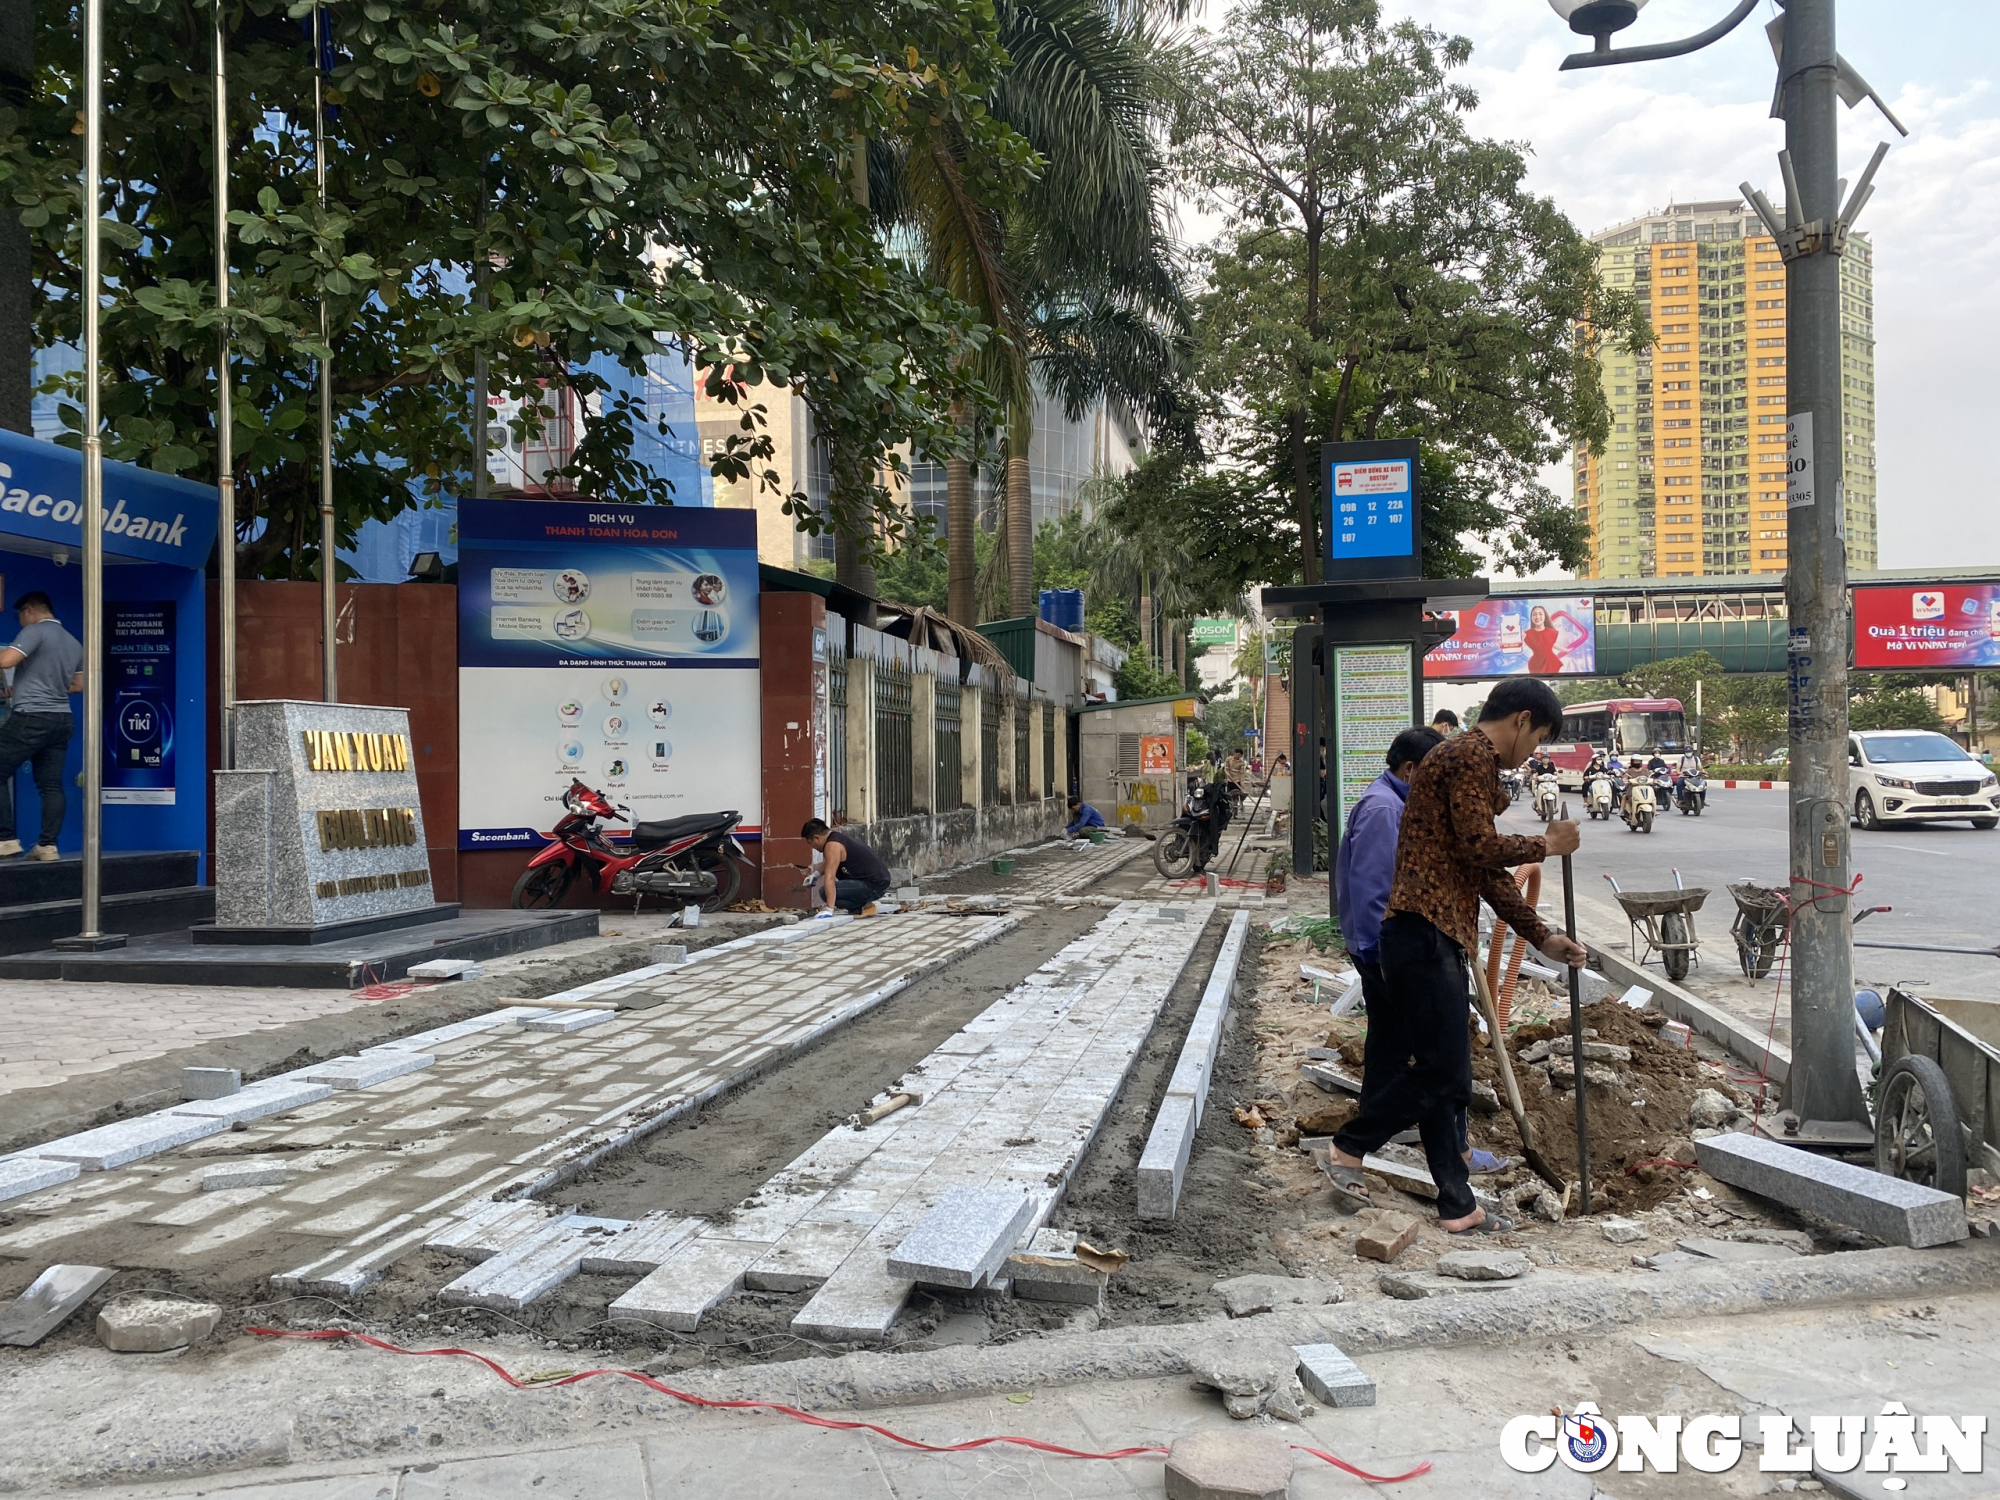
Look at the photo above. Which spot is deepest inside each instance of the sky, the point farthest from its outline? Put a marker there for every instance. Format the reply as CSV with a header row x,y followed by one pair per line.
x,y
1609,144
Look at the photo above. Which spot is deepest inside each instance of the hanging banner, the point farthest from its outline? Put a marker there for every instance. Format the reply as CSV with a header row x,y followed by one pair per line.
x,y
139,702
613,645
1942,625
1518,638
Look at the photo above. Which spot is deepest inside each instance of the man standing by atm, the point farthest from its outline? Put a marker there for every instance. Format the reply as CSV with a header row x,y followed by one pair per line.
x,y
47,663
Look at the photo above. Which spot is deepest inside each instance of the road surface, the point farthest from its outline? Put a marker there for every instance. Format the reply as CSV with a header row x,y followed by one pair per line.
x,y
1940,880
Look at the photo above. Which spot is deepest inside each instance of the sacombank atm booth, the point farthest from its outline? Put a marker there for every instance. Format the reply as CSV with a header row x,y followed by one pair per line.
x,y
159,533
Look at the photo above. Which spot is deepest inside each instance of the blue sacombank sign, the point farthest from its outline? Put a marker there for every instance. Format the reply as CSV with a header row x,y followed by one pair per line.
x,y
148,517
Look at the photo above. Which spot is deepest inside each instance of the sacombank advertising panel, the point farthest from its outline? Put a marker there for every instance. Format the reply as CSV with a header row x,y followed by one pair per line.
x,y
616,645
1909,628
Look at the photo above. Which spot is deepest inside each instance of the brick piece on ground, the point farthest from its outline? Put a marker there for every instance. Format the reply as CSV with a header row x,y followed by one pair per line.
x,y
366,1072
567,1020
125,1141
1622,1231
1048,1271
1244,1295
533,1265
153,1325
641,1247
1738,1251
1229,1463
272,1097
1330,1376
1256,1376
244,1174
1484,1265
1386,1237
210,1083
443,969
1412,1179
693,1279
963,1240
48,1301
22,1175
1902,1213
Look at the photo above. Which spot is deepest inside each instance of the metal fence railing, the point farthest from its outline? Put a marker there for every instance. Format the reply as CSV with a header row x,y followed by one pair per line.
x,y
1022,764
836,736
949,788
989,747
895,791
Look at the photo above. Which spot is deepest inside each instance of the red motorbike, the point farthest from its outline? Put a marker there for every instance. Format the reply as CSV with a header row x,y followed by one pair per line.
x,y
693,860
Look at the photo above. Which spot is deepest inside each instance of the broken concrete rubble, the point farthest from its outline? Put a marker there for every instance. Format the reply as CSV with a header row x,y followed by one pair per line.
x,y
1244,1295
153,1325
1257,1377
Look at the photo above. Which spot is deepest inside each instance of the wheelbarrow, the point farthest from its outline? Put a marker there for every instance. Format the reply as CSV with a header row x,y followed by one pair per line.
x,y
1763,917
1664,922
1764,920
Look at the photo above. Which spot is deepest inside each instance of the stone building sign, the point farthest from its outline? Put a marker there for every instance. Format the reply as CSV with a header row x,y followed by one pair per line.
x,y
319,827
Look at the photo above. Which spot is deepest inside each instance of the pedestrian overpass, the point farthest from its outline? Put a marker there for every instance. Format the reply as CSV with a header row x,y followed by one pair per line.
x,y
1738,620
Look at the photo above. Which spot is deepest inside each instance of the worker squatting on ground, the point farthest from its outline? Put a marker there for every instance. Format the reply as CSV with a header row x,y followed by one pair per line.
x,y
852,875
1082,817
1448,857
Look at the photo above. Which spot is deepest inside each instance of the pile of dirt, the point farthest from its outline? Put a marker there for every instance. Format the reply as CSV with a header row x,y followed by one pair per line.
x,y
1638,1112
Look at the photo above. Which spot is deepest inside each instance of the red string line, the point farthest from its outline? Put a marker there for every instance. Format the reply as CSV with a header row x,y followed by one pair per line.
x,y
795,1413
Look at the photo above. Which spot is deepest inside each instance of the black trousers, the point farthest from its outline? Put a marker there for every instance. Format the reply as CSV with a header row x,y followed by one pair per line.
x,y
40,740
1420,1072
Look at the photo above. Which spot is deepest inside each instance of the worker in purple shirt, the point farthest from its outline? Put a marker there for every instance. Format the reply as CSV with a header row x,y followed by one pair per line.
x,y
1363,873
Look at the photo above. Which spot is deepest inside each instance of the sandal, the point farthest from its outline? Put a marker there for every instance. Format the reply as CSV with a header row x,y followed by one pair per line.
x,y
1347,1181
1492,1224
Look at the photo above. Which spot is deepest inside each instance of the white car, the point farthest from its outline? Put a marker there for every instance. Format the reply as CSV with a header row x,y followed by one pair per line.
x,y
1917,776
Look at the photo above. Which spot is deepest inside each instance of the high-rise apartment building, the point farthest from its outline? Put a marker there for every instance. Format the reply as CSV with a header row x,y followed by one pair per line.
x,y
1692,479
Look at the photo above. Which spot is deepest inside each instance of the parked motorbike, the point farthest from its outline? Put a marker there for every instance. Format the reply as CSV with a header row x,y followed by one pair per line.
x,y
1691,793
1547,795
690,861
1597,797
1192,839
1639,805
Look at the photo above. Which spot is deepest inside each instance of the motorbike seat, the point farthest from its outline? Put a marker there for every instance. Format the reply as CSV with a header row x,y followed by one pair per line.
x,y
660,831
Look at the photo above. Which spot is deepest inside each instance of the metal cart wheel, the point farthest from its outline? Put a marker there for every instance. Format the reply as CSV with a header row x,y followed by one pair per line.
x,y
1917,1136
1673,944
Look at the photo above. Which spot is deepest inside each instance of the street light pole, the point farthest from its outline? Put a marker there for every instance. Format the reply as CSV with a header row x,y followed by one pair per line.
x,y
1822,1085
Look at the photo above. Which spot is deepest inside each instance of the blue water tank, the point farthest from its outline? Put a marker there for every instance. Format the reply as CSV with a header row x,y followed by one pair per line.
x,y
1063,608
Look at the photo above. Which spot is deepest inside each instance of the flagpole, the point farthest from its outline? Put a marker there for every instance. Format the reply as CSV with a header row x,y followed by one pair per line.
x,y
90,932
329,612
225,435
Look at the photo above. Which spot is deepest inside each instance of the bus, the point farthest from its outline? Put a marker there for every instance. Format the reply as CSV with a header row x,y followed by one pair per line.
x,y
1632,728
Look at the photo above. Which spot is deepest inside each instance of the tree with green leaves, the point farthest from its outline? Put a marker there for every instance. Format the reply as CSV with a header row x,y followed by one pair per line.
x,y
1382,272
1076,270
611,175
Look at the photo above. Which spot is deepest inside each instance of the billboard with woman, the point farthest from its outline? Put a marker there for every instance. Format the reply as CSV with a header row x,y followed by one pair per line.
x,y
1554,637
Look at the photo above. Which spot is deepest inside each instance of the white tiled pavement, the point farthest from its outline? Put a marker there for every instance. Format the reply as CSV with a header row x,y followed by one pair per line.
x,y
502,1111
1011,1101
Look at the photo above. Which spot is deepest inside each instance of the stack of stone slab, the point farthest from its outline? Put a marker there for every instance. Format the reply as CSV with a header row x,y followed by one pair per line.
x,y
1163,1164
1009,1104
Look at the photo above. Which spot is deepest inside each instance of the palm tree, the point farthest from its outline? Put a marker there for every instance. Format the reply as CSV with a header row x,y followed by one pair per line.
x,y
1076,272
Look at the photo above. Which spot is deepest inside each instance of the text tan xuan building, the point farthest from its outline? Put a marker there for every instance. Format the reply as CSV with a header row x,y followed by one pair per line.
x,y
1692,479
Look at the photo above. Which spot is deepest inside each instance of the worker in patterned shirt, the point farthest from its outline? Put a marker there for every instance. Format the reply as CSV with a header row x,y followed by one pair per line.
x,y
1448,857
